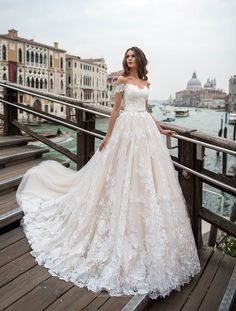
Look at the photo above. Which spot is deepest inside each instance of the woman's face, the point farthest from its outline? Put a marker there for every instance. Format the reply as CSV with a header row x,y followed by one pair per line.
x,y
131,59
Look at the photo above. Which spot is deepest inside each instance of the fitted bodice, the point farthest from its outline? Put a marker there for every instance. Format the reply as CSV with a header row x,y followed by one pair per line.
x,y
134,97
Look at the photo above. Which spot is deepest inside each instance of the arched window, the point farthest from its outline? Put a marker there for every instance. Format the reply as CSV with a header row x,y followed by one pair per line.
x,y
4,52
27,56
69,79
32,57
20,80
20,55
45,84
36,58
45,59
28,81
62,85
4,77
41,83
37,83
50,61
62,63
40,58
32,82
51,84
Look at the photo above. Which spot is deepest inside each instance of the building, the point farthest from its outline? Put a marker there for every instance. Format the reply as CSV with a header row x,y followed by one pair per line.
x,y
197,96
231,98
33,64
111,79
87,79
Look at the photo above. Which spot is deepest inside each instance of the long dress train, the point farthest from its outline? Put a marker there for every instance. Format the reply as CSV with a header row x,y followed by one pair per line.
x,y
120,223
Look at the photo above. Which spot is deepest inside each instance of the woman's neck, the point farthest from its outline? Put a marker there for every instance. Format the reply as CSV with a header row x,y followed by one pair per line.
x,y
134,74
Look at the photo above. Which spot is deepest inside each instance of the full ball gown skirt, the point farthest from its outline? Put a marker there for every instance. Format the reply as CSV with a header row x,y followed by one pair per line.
x,y
118,224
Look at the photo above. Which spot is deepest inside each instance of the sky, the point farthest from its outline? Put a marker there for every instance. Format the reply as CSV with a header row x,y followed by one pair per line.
x,y
177,37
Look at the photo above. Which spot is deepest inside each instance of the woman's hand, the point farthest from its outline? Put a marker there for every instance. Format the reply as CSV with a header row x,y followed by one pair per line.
x,y
168,132
103,143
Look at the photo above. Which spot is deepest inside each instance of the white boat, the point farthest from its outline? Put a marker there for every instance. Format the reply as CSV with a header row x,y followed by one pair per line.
x,y
181,112
232,118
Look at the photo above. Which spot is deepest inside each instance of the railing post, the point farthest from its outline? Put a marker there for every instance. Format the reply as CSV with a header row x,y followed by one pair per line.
x,y
10,113
85,142
191,185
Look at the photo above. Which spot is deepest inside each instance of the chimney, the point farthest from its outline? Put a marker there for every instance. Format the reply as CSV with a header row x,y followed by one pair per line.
x,y
12,33
56,45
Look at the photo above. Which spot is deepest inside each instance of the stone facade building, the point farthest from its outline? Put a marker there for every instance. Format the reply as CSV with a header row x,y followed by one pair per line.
x,y
35,65
197,96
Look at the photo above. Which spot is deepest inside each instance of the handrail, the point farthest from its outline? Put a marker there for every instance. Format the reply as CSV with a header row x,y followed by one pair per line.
x,y
52,99
75,127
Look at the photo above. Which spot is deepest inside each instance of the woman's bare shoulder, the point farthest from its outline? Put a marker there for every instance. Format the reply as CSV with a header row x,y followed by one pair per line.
x,y
121,80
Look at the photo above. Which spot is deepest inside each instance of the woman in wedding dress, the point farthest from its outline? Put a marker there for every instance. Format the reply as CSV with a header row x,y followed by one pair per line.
x,y
120,224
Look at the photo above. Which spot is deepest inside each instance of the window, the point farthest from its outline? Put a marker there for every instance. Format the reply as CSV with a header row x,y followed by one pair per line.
x,y
62,85
20,55
28,81
75,64
69,79
69,64
27,56
41,83
51,84
62,63
40,58
45,84
21,98
4,77
20,80
62,108
50,61
4,52
32,57
37,83
32,83
36,58
45,59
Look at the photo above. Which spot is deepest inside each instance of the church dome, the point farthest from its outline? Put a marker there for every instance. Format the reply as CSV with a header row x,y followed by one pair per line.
x,y
194,83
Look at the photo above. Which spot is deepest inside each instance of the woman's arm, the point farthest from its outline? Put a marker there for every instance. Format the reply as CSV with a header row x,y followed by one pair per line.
x,y
161,130
114,114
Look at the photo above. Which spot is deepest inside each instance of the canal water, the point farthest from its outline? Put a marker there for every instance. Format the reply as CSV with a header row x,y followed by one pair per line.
x,y
205,120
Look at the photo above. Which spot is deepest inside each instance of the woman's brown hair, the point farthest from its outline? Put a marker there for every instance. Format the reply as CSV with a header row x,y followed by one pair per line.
x,y
141,61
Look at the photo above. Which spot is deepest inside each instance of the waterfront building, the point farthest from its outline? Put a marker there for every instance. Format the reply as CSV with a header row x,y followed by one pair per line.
x,y
112,78
231,98
197,96
36,65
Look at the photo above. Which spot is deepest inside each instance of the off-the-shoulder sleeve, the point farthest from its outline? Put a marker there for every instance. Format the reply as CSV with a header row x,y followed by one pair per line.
x,y
120,87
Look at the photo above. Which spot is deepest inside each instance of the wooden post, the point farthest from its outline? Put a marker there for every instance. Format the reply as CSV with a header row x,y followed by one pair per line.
x,y
10,113
85,142
190,184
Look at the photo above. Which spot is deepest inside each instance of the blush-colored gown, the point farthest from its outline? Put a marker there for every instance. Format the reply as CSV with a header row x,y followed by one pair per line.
x,y
120,223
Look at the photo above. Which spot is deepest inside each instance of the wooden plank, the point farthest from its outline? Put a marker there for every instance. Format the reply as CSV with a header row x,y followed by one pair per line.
x,y
219,221
217,288
200,290
75,299
16,267
21,152
14,251
115,303
10,217
96,303
42,295
13,140
176,299
20,286
11,237
8,202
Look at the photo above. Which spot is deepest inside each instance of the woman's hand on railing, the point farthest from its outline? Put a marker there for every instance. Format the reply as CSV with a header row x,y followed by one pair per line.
x,y
103,143
168,132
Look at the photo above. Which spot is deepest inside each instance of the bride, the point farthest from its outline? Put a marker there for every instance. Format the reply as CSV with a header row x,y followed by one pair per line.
x,y
120,223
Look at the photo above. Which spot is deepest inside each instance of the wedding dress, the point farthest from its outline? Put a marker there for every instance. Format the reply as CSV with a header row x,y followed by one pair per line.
x,y
120,223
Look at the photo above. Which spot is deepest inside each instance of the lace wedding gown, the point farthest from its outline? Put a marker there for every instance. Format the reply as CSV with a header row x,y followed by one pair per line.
x,y
120,223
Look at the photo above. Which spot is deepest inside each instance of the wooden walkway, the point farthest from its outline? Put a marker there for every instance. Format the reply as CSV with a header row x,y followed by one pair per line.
x,y
24,283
